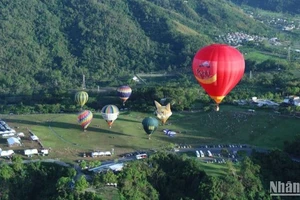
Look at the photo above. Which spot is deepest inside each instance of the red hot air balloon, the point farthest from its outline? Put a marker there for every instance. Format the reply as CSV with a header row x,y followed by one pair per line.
x,y
218,68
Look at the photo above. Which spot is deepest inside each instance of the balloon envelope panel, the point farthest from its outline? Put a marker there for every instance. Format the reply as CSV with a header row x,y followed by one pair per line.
x,y
85,118
110,112
124,92
218,68
81,98
150,124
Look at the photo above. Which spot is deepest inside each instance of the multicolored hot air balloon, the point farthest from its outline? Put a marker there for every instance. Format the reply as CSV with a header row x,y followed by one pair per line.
x,y
124,93
85,118
81,98
163,112
110,114
218,68
150,124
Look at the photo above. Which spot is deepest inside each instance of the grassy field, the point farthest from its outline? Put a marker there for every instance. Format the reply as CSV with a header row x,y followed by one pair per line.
x,y
231,125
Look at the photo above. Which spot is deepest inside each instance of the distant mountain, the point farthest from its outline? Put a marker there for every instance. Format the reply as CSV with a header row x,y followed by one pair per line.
x,y
50,44
285,6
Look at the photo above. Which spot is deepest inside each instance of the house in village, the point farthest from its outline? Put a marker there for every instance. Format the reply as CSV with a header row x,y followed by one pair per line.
x,y
292,100
263,102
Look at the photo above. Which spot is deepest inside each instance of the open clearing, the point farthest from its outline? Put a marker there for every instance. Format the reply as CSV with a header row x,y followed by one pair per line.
x,y
231,125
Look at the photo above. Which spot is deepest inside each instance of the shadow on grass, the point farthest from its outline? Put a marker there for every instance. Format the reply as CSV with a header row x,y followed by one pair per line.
x,y
64,125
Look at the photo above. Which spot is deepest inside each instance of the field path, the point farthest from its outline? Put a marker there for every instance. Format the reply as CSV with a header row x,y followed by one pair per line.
x,y
66,141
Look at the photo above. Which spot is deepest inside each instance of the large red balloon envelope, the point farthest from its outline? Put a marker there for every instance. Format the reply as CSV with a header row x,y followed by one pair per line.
x,y
218,68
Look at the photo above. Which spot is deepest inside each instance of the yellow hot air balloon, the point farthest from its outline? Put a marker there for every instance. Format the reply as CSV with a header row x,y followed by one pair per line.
x,y
81,98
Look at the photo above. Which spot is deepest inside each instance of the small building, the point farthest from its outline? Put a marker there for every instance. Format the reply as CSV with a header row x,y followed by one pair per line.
x,y
13,142
292,100
100,153
21,134
30,152
7,153
135,79
34,138
44,152
116,167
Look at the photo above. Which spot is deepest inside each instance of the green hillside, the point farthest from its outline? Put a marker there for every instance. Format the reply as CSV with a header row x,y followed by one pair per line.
x,y
286,6
46,45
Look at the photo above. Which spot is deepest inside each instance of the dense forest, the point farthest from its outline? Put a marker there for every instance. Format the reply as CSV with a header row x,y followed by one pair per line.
x,y
285,6
47,45
162,176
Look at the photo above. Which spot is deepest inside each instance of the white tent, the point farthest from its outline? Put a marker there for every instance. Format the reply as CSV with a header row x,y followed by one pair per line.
x,y
6,153
45,151
12,141
29,152
21,134
101,153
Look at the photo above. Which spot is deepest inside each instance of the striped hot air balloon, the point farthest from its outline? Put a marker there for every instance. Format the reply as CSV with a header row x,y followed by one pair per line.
x,y
85,118
81,98
124,93
110,114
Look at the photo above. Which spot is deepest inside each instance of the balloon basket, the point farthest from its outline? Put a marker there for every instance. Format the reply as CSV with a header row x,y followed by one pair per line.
x,y
217,108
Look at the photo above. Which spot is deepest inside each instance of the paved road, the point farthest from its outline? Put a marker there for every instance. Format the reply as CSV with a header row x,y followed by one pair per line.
x,y
214,149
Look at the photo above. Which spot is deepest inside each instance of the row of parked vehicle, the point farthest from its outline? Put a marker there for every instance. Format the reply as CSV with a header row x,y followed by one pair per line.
x,y
224,146
200,153
184,146
133,154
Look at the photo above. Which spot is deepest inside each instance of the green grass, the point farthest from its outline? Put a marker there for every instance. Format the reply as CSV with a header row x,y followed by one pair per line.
x,y
214,169
296,73
262,56
228,126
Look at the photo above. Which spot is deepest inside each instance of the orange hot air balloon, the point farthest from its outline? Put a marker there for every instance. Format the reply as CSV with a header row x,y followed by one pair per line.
x,y
218,68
